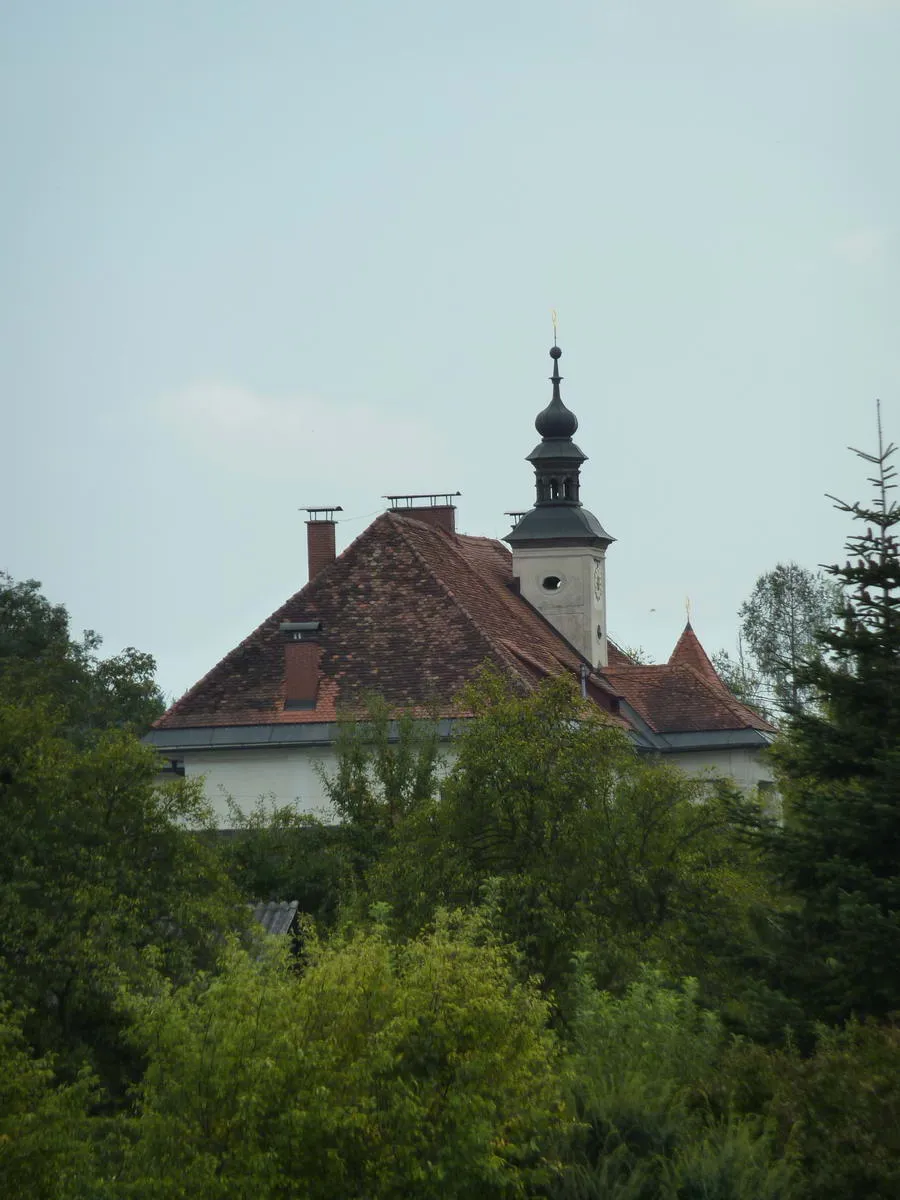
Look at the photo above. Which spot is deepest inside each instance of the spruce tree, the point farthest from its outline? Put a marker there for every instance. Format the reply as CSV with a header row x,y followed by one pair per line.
x,y
839,767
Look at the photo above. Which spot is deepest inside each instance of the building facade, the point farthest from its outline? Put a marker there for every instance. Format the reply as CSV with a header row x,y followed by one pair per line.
x,y
411,611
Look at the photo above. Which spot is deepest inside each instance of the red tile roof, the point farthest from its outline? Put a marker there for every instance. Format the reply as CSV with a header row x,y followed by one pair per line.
x,y
689,653
410,612
677,698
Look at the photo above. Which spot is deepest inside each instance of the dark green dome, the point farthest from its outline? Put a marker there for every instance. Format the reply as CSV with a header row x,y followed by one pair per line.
x,y
556,421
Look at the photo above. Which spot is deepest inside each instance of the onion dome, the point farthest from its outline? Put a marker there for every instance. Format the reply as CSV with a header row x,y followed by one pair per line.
x,y
558,517
556,421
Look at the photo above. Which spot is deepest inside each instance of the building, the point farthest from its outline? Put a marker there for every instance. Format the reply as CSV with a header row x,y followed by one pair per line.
x,y
411,611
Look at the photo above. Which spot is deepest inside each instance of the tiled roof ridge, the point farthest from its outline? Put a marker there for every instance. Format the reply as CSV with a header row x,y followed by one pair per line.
x,y
496,545
183,701
612,644
493,644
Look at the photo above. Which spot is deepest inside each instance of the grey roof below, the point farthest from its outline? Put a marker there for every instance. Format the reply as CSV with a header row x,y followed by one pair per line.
x,y
646,738
561,523
556,450
277,916
717,739
221,737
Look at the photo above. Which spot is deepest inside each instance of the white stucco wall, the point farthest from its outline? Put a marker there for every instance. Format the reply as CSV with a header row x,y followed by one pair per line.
x,y
287,774
745,766
291,774
578,608
283,774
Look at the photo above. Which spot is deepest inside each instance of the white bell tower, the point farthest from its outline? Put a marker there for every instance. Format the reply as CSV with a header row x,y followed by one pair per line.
x,y
559,548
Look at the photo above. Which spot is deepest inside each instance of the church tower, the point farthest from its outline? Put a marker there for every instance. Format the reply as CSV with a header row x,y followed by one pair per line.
x,y
559,548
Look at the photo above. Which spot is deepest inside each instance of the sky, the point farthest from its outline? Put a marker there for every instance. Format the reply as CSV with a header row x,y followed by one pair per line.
x,y
257,256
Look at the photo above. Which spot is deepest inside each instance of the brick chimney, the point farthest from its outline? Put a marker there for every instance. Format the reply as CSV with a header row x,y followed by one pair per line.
x,y
302,659
434,508
320,542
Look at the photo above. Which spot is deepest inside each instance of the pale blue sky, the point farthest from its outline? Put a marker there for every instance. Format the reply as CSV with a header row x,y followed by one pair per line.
x,y
256,256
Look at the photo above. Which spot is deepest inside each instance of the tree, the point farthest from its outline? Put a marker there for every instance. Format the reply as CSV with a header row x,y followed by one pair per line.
x,y
387,768
276,852
839,774
640,1065
38,655
833,1111
573,842
103,884
780,621
742,678
382,1070
46,1149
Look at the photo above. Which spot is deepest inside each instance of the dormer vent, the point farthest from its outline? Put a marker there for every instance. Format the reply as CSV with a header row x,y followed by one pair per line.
x,y
434,508
302,660
301,631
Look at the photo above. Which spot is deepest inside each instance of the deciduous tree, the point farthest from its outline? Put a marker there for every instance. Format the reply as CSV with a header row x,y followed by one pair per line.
x,y
102,882
383,1070
779,624
38,655
573,841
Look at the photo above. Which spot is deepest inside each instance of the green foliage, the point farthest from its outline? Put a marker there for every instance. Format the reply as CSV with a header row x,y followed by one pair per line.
x,y
101,882
387,768
573,842
382,1071
413,1055
38,656
836,1111
839,774
780,623
734,1160
779,627
275,852
743,679
46,1139
638,1068
637,654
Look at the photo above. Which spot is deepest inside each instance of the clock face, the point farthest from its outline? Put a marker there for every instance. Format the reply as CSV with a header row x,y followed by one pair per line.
x,y
598,581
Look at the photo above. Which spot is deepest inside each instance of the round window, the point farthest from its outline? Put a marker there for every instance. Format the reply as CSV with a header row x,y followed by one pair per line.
x,y
551,583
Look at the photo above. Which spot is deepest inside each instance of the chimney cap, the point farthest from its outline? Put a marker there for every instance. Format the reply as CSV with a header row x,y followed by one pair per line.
x,y
316,510
436,499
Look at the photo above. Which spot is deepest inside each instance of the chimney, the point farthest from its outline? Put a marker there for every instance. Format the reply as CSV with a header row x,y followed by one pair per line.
x,y
302,658
434,508
320,546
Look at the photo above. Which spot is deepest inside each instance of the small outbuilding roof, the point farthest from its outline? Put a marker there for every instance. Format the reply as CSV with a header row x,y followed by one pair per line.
x,y
276,916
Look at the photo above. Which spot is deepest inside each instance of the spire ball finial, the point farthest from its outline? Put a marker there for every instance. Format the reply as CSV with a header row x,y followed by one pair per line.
x,y
556,421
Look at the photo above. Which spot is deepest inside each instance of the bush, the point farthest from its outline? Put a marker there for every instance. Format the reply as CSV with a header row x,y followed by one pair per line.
x,y
382,1071
638,1071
